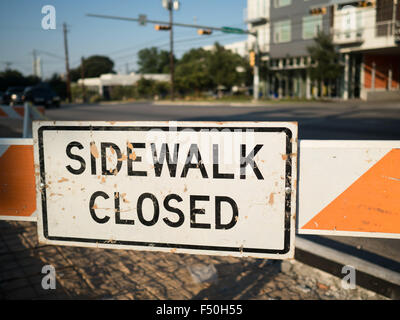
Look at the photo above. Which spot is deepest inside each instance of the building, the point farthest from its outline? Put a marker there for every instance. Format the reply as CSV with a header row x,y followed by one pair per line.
x,y
365,33
368,36
293,29
239,47
103,83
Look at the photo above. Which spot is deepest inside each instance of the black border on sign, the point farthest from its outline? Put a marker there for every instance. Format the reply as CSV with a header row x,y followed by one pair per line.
x,y
288,185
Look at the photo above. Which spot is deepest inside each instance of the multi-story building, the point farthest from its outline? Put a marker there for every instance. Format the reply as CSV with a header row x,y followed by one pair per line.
x,y
365,33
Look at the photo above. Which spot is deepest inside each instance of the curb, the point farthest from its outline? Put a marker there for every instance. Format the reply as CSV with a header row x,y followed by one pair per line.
x,y
369,275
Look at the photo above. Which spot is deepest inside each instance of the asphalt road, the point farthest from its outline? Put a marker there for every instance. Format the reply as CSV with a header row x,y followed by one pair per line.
x,y
352,120
333,120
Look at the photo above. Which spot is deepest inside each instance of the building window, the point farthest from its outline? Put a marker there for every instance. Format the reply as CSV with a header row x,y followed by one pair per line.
x,y
282,3
282,31
311,26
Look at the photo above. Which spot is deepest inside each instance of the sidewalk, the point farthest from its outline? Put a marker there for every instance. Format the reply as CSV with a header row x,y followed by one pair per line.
x,y
86,273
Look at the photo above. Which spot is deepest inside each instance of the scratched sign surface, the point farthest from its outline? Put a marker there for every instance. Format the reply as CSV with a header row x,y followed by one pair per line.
x,y
187,187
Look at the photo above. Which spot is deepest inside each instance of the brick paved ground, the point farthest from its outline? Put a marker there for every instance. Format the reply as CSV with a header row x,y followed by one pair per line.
x,y
86,273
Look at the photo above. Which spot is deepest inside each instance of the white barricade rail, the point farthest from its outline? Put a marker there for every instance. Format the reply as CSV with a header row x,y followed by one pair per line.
x,y
17,112
92,176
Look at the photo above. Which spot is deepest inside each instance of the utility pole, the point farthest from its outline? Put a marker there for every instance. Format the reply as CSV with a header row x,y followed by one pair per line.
x,y
171,5
34,65
171,54
164,25
68,77
83,79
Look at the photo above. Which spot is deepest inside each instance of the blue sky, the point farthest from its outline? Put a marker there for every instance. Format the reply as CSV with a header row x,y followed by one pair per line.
x,y
21,31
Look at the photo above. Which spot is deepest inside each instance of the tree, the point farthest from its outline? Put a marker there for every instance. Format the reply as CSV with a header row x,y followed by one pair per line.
x,y
223,67
192,71
152,60
199,70
58,85
145,88
326,66
94,66
10,78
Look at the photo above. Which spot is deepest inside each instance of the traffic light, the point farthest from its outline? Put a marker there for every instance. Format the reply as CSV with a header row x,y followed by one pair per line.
x,y
204,32
252,58
365,4
317,11
160,27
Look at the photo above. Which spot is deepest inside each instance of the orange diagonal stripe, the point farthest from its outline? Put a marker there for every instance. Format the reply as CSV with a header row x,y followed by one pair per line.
x,y
3,113
20,110
371,204
17,182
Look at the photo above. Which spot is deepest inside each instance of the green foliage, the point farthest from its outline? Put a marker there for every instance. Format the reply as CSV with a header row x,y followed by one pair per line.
x,y
326,58
145,88
192,72
58,85
152,60
200,70
11,78
91,95
222,66
94,66
122,92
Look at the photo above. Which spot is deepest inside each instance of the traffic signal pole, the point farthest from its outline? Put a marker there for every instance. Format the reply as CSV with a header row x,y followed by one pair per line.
x,y
171,53
208,29
256,70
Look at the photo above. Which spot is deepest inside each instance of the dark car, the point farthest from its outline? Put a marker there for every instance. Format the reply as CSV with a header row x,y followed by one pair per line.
x,y
13,95
42,96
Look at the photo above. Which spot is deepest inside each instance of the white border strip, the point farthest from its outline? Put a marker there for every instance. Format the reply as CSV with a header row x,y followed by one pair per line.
x,y
16,141
313,144
31,218
367,234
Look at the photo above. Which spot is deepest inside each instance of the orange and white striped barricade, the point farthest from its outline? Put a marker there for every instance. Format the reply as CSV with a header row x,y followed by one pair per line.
x,y
27,113
17,180
349,188
16,112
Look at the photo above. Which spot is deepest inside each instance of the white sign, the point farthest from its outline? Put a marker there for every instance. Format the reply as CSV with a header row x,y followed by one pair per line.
x,y
187,187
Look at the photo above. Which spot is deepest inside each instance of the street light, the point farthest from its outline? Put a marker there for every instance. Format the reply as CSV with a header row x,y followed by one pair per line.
x,y
171,5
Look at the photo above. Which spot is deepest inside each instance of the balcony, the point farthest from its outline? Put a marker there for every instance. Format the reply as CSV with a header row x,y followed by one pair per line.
x,y
348,37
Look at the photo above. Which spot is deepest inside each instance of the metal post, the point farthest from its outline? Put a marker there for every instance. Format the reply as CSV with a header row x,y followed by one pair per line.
x,y
68,78
373,76
256,70
27,130
171,45
346,77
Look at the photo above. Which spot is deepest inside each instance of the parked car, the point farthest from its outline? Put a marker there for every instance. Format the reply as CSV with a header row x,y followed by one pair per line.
x,y
1,97
41,95
13,95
